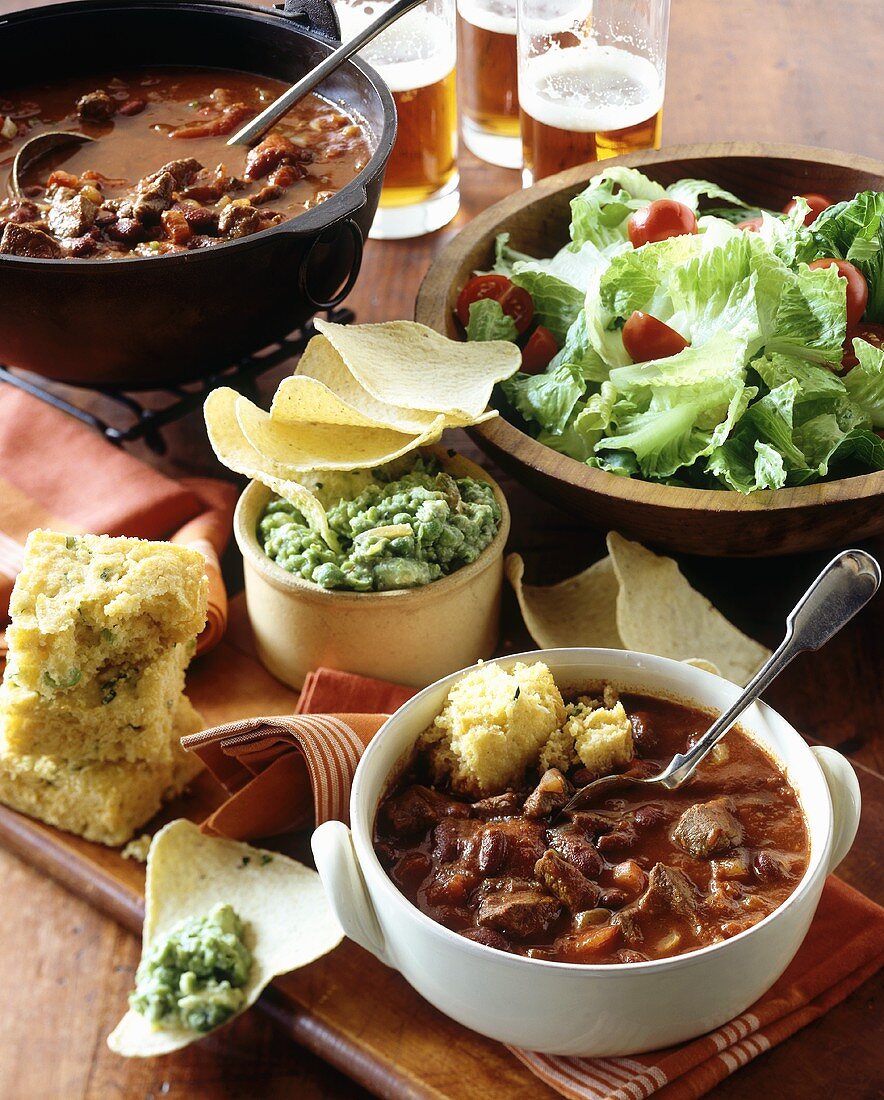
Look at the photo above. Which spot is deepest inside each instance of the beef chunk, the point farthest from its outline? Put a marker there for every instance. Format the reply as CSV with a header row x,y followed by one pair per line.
x,y
417,809
176,227
154,196
525,843
595,822
269,154
96,106
669,891
643,737
563,880
522,911
182,172
498,805
21,212
488,937
551,793
572,844
457,838
24,240
238,221
626,921
72,217
708,828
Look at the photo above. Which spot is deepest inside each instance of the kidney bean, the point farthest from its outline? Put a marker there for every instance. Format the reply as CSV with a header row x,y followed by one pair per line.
x,y
132,107
612,898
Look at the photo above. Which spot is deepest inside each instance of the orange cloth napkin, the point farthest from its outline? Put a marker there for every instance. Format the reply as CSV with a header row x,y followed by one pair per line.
x,y
56,472
298,768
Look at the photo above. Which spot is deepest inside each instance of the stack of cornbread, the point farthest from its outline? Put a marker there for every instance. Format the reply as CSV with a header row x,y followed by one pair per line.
x,y
92,703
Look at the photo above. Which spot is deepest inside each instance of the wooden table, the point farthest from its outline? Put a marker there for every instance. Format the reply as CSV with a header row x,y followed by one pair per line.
x,y
763,70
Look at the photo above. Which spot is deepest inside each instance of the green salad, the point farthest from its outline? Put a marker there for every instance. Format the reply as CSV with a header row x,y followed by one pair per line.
x,y
392,532
759,382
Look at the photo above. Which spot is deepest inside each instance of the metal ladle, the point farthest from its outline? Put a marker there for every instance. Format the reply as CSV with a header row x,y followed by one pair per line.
x,y
35,149
259,125
845,586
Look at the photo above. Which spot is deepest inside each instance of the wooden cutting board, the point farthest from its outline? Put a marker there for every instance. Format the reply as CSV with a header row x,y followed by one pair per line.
x,y
364,1018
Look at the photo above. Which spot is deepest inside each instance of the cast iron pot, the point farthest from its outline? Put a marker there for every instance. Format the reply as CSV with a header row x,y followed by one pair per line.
x,y
157,321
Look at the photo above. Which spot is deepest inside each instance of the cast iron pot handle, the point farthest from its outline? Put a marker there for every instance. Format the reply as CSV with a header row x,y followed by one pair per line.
x,y
356,264
314,15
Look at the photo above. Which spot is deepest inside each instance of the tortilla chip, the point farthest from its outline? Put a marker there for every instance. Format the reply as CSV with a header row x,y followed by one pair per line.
x,y
288,922
408,365
702,663
292,449
581,611
234,450
658,612
320,363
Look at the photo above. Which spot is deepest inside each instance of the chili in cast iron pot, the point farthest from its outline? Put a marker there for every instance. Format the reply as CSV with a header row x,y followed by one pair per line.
x,y
148,322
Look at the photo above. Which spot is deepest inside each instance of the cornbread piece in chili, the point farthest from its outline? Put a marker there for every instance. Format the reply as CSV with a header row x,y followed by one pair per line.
x,y
102,630
493,726
595,734
101,801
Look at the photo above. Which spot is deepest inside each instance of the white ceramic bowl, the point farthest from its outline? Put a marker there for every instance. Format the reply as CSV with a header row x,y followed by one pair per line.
x,y
565,1008
410,636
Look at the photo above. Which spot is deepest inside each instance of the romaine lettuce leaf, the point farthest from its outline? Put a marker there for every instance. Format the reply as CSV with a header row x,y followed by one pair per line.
x,y
865,382
489,322
505,257
548,399
556,303
811,318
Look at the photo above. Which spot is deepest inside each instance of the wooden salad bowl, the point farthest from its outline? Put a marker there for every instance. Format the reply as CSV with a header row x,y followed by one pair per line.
x,y
716,523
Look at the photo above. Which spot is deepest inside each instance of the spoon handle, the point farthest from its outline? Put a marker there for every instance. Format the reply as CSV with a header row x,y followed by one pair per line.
x,y
845,586
259,125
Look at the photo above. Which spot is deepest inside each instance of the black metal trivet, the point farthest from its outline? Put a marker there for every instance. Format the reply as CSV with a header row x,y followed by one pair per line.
x,y
147,423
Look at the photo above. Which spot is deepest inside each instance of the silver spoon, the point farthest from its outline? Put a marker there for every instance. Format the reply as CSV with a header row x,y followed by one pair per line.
x,y
262,122
846,584
35,149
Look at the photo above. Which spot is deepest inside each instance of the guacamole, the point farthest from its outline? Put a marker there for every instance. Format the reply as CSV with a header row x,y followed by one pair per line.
x,y
193,978
394,533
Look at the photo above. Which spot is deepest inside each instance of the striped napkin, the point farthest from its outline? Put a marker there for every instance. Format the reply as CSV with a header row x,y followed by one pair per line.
x,y
297,769
57,473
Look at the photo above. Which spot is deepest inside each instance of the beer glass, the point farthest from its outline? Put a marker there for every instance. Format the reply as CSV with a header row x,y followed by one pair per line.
x,y
489,101
591,80
416,57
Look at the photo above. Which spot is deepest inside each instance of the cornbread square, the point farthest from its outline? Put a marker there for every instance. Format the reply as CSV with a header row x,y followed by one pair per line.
x,y
124,712
493,726
100,801
596,733
102,630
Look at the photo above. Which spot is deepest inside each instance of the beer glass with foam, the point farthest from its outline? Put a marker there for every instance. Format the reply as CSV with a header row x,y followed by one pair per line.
x,y
488,84
591,80
416,57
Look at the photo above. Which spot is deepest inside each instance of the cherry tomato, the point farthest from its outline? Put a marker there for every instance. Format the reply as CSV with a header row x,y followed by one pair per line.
x,y
817,204
514,301
536,354
644,338
751,225
661,219
865,330
857,288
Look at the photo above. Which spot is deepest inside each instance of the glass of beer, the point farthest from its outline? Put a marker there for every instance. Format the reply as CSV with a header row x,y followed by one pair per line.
x,y
416,58
487,71
591,80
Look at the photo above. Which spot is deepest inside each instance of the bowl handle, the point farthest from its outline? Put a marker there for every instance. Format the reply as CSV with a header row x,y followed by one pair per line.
x,y
339,870
358,245
846,800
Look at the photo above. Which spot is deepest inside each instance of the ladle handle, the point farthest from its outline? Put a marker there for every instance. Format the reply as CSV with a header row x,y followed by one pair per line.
x,y
844,587
259,125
